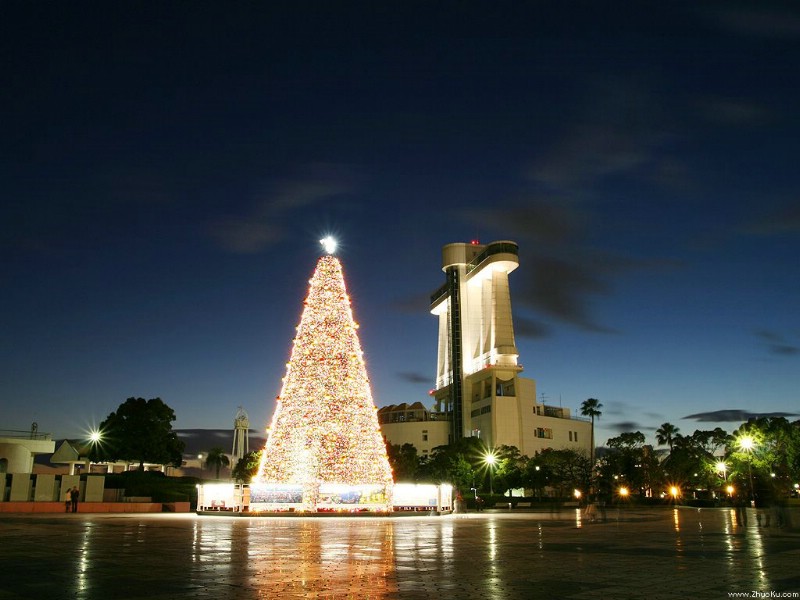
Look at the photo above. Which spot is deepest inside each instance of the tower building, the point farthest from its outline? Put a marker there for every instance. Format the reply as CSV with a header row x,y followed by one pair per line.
x,y
478,378
241,436
477,358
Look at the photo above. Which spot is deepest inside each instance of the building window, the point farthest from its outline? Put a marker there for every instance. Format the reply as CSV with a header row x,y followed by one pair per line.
x,y
570,436
576,436
424,437
544,433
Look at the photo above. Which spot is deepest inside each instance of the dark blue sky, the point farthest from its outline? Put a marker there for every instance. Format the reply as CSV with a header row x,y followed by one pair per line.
x,y
166,170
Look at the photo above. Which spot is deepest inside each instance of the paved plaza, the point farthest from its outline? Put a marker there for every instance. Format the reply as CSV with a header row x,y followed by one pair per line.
x,y
636,553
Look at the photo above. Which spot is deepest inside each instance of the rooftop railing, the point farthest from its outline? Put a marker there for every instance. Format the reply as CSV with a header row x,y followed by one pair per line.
x,y
491,250
23,435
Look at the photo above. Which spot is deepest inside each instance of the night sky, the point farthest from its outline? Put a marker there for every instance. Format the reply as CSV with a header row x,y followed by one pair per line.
x,y
167,169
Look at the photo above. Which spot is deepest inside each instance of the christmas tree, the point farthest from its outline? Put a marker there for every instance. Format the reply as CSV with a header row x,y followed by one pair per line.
x,y
325,426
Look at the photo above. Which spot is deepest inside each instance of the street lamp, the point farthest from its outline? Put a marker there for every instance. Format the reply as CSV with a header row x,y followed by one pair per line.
x,y
95,440
721,467
490,459
747,444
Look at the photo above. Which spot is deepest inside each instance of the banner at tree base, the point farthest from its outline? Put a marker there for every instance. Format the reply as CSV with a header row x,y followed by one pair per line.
x,y
319,497
323,497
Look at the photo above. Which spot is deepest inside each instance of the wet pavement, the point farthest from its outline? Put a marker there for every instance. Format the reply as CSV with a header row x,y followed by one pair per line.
x,y
653,554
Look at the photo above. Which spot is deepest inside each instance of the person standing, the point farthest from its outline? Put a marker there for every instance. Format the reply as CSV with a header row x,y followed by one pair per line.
x,y
67,500
74,494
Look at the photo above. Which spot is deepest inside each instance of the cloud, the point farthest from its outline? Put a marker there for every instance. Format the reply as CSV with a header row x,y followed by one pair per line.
x,y
627,426
558,280
619,131
414,377
269,220
785,220
563,274
756,21
777,344
525,327
733,416
413,304
589,154
729,111
562,289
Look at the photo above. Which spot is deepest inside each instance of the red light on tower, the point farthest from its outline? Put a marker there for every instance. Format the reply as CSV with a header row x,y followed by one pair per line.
x,y
475,242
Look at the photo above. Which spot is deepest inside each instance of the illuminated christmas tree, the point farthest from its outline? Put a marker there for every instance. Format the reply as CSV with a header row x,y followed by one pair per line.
x,y
325,427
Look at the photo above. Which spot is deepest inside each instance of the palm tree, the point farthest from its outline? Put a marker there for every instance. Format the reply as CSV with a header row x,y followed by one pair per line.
x,y
591,408
217,458
665,435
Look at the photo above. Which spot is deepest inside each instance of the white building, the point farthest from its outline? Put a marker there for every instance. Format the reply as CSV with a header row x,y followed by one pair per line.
x,y
414,424
18,449
478,389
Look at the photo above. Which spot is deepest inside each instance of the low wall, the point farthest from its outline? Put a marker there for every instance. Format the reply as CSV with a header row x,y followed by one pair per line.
x,y
95,507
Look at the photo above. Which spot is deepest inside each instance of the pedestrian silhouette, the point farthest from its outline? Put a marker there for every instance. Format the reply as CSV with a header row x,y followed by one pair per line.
x,y
74,494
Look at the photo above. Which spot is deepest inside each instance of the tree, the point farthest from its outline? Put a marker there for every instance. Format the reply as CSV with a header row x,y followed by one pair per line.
x,y
139,430
458,463
509,472
325,428
690,462
591,408
404,461
247,467
774,458
665,434
565,470
629,461
217,459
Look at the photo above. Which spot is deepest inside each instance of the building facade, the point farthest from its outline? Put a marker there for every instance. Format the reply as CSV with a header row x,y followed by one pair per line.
x,y
479,390
414,424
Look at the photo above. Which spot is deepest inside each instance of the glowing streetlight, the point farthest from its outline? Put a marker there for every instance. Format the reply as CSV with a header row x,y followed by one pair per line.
x,y
674,491
96,436
729,489
748,444
624,492
577,494
490,459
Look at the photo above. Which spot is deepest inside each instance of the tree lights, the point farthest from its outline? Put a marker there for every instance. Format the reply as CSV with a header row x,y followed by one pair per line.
x,y
324,431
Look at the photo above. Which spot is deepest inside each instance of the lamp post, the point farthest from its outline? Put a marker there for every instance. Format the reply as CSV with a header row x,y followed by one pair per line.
x,y
747,444
490,459
721,467
95,439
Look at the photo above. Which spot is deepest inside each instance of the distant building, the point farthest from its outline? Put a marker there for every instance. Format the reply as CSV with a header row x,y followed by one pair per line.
x,y
74,456
414,424
19,448
241,437
479,390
